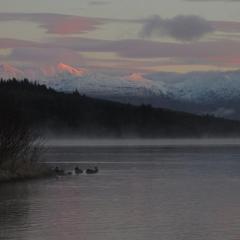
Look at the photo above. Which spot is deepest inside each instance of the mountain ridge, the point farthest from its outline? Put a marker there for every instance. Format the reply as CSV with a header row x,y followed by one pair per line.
x,y
215,93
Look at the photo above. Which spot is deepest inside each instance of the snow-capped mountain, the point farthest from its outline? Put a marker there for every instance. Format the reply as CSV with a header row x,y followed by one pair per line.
x,y
102,84
197,87
216,93
94,83
199,92
49,71
62,69
204,87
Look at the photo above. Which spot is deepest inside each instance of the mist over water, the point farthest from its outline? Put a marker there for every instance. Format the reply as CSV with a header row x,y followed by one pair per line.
x,y
146,189
140,142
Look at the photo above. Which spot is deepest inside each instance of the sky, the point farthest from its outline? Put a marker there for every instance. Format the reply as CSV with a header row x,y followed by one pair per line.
x,y
127,35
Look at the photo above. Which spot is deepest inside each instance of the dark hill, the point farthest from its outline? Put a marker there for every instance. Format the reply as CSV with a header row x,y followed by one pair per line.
x,y
61,112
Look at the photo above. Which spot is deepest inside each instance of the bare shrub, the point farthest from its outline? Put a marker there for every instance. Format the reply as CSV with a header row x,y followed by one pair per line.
x,y
19,145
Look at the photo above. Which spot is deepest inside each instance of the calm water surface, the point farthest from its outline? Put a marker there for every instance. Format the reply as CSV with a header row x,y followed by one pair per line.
x,y
142,192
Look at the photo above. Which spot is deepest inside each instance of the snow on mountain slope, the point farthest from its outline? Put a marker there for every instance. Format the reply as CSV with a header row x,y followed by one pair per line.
x,y
195,87
62,69
108,84
204,87
209,87
95,83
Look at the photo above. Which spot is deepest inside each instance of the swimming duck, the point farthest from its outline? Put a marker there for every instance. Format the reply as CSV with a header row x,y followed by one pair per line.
x,y
92,171
78,171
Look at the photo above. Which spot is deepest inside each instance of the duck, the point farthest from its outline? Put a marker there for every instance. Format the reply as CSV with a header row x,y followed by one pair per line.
x,y
92,171
77,170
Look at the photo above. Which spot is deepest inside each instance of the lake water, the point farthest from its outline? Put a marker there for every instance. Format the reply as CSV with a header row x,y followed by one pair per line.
x,y
145,190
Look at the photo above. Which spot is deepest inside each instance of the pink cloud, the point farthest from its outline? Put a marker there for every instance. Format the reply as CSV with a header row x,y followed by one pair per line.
x,y
15,43
208,52
148,49
70,25
46,55
226,26
68,49
152,49
226,60
56,23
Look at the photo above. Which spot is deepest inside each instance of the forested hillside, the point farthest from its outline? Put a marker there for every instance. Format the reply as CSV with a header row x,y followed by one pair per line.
x,y
73,113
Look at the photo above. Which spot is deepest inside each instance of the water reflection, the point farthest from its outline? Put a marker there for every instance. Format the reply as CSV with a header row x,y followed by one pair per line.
x,y
139,193
14,210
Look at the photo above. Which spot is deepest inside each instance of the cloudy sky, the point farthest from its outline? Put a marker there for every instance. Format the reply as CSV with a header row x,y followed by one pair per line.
x,y
132,35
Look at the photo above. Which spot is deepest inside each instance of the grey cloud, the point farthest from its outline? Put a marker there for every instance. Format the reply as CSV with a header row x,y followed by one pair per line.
x,y
43,55
183,28
98,3
132,48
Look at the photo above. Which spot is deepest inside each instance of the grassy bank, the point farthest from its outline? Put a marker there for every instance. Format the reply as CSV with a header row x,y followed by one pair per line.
x,y
20,144
26,172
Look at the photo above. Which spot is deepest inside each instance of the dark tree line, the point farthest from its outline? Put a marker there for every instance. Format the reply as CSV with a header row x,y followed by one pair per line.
x,y
46,109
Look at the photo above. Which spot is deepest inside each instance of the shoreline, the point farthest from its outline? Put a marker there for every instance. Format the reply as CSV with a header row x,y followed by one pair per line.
x,y
160,142
36,172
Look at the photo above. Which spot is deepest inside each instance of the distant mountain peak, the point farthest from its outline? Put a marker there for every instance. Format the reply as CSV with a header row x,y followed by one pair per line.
x,y
6,65
62,67
58,70
8,71
136,77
